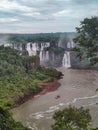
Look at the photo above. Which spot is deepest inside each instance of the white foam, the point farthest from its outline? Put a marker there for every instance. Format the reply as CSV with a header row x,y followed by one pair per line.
x,y
83,98
61,104
52,110
53,107
38,116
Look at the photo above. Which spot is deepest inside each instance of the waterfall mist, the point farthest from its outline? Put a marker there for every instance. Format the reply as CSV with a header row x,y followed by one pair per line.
x,y
4,39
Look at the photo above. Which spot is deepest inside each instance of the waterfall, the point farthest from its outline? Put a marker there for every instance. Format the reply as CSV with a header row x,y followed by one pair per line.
x,y
32,48
41,55
47,55
44,45
66,60
29,49
70,44
44,55
6,45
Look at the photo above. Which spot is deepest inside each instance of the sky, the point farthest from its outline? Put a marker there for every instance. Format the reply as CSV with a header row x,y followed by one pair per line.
x,y
43,16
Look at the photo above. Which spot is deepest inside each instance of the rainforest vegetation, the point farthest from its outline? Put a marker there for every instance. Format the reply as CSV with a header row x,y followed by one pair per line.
x,y
20,75
73,118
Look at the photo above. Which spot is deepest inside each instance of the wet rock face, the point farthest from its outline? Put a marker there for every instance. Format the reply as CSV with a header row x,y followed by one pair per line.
x,y
50,59
54,60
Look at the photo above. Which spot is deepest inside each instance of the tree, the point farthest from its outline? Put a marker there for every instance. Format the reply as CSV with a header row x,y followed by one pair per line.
x,y
87,40
8,123
72,119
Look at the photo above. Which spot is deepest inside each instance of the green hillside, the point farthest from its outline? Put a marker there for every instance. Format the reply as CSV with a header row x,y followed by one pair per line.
x,y
20,75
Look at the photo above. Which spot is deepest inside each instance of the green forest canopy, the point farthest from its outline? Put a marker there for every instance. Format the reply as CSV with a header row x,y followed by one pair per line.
x,y
20,75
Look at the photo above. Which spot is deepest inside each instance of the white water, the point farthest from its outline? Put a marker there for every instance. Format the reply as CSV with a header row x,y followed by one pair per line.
x,y
33,50
66,60
44,55
70,44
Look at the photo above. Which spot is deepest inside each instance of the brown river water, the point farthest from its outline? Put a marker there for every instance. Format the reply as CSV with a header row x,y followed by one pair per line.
x,y
78,88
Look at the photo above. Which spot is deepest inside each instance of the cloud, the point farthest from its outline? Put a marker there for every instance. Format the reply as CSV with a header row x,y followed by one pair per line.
x,y
62,13
3,20
44,15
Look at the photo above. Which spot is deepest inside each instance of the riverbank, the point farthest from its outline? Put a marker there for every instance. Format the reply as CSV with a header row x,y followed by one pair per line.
x,y
44,88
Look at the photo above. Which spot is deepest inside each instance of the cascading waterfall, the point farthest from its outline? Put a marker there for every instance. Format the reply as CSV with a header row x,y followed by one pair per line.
x,y
66,60
44,55
41,55
70,44
32,48
47,58
29,49
47,55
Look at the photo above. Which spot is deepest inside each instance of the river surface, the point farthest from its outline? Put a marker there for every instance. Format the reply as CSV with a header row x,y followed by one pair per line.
x,y
78,88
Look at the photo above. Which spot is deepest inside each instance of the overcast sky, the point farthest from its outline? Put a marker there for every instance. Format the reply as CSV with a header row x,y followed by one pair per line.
x,y
35,16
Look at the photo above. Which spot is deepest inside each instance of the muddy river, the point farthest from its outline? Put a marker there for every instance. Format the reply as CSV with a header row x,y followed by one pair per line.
x,y
78,88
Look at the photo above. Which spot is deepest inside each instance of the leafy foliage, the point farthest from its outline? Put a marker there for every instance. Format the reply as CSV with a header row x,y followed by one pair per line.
x,y
72,119
8,123
57,50
20,75
87,40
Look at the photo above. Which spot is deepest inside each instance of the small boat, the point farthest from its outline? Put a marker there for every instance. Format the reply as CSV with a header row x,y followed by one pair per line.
x,y
58,96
